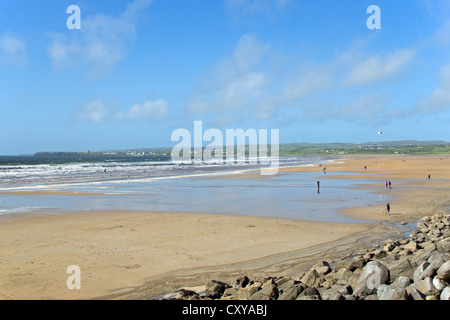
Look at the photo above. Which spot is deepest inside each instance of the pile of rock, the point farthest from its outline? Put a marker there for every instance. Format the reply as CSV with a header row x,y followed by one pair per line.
x,y
415,268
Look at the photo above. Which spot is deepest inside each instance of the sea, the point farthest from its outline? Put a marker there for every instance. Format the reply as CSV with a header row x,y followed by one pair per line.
x,y
34,184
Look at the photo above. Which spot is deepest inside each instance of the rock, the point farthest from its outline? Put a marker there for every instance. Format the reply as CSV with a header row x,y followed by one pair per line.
x,y
215,289
351,265
401,267
373,275
300,297
411,246
332,295
426,287
445,294
310,293
422,271
270,289
337,292
402,282
249,290
443,245
259,296
444,271
310,278
439,284
343,275
434,297
242,282
322,265
292,292
414,293
286,285
423,254
386,292
185,294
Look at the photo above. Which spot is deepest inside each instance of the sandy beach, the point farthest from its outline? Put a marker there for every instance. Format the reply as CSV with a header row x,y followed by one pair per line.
x,y
143,254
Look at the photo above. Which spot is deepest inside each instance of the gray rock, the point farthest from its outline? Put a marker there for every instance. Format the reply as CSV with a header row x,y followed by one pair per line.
x,y
445,294
310,278
322,267
426,287
439,284
259,296
215,289
414,293
242,282
230,294
337,292
402,282
351,265
310,293
373,275
386,292
343,275
411,246
401,267
292,292
270,289
421,271
249,290
444,271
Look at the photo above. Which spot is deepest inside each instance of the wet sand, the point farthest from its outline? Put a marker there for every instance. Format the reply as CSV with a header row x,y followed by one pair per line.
x,y
138,254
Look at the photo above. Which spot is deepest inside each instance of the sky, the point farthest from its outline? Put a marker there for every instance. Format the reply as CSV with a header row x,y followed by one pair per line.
x,y
137,70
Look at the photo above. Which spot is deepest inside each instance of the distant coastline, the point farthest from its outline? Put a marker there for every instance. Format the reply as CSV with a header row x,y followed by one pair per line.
x,y
302,148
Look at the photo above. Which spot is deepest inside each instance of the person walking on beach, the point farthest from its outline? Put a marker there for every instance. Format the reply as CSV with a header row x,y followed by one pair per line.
x,y
386,184
388,207
390,185
429,177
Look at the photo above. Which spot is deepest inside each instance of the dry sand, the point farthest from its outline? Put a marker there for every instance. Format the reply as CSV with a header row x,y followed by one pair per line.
x,y
134,255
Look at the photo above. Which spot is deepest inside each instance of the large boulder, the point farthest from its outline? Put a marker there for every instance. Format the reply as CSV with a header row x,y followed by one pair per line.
x,y
445,294
426,287
215,289
373,275
444,271
386,292
401,267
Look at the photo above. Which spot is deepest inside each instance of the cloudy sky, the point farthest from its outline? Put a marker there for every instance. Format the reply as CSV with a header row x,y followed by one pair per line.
x,y
138,70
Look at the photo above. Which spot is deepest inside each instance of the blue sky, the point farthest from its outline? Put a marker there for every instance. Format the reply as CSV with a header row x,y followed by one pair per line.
x,y
138,70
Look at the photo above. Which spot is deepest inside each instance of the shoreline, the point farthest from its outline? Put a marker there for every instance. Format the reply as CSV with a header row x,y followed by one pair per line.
x,y
140,255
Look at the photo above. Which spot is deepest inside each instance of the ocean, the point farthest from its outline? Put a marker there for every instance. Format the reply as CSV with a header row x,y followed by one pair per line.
x,y
154,183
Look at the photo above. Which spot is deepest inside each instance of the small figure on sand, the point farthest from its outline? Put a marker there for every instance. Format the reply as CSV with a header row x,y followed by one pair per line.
x,y
388,207
429,177
318,187
386,184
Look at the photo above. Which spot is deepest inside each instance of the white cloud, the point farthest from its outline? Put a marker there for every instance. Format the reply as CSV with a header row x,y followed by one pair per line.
x,y
147,110
306,82
439,99
376,68
101,42
13,50
235,83
94,112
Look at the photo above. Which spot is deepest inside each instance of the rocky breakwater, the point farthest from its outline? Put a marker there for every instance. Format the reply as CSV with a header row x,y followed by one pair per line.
x,y
414,268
